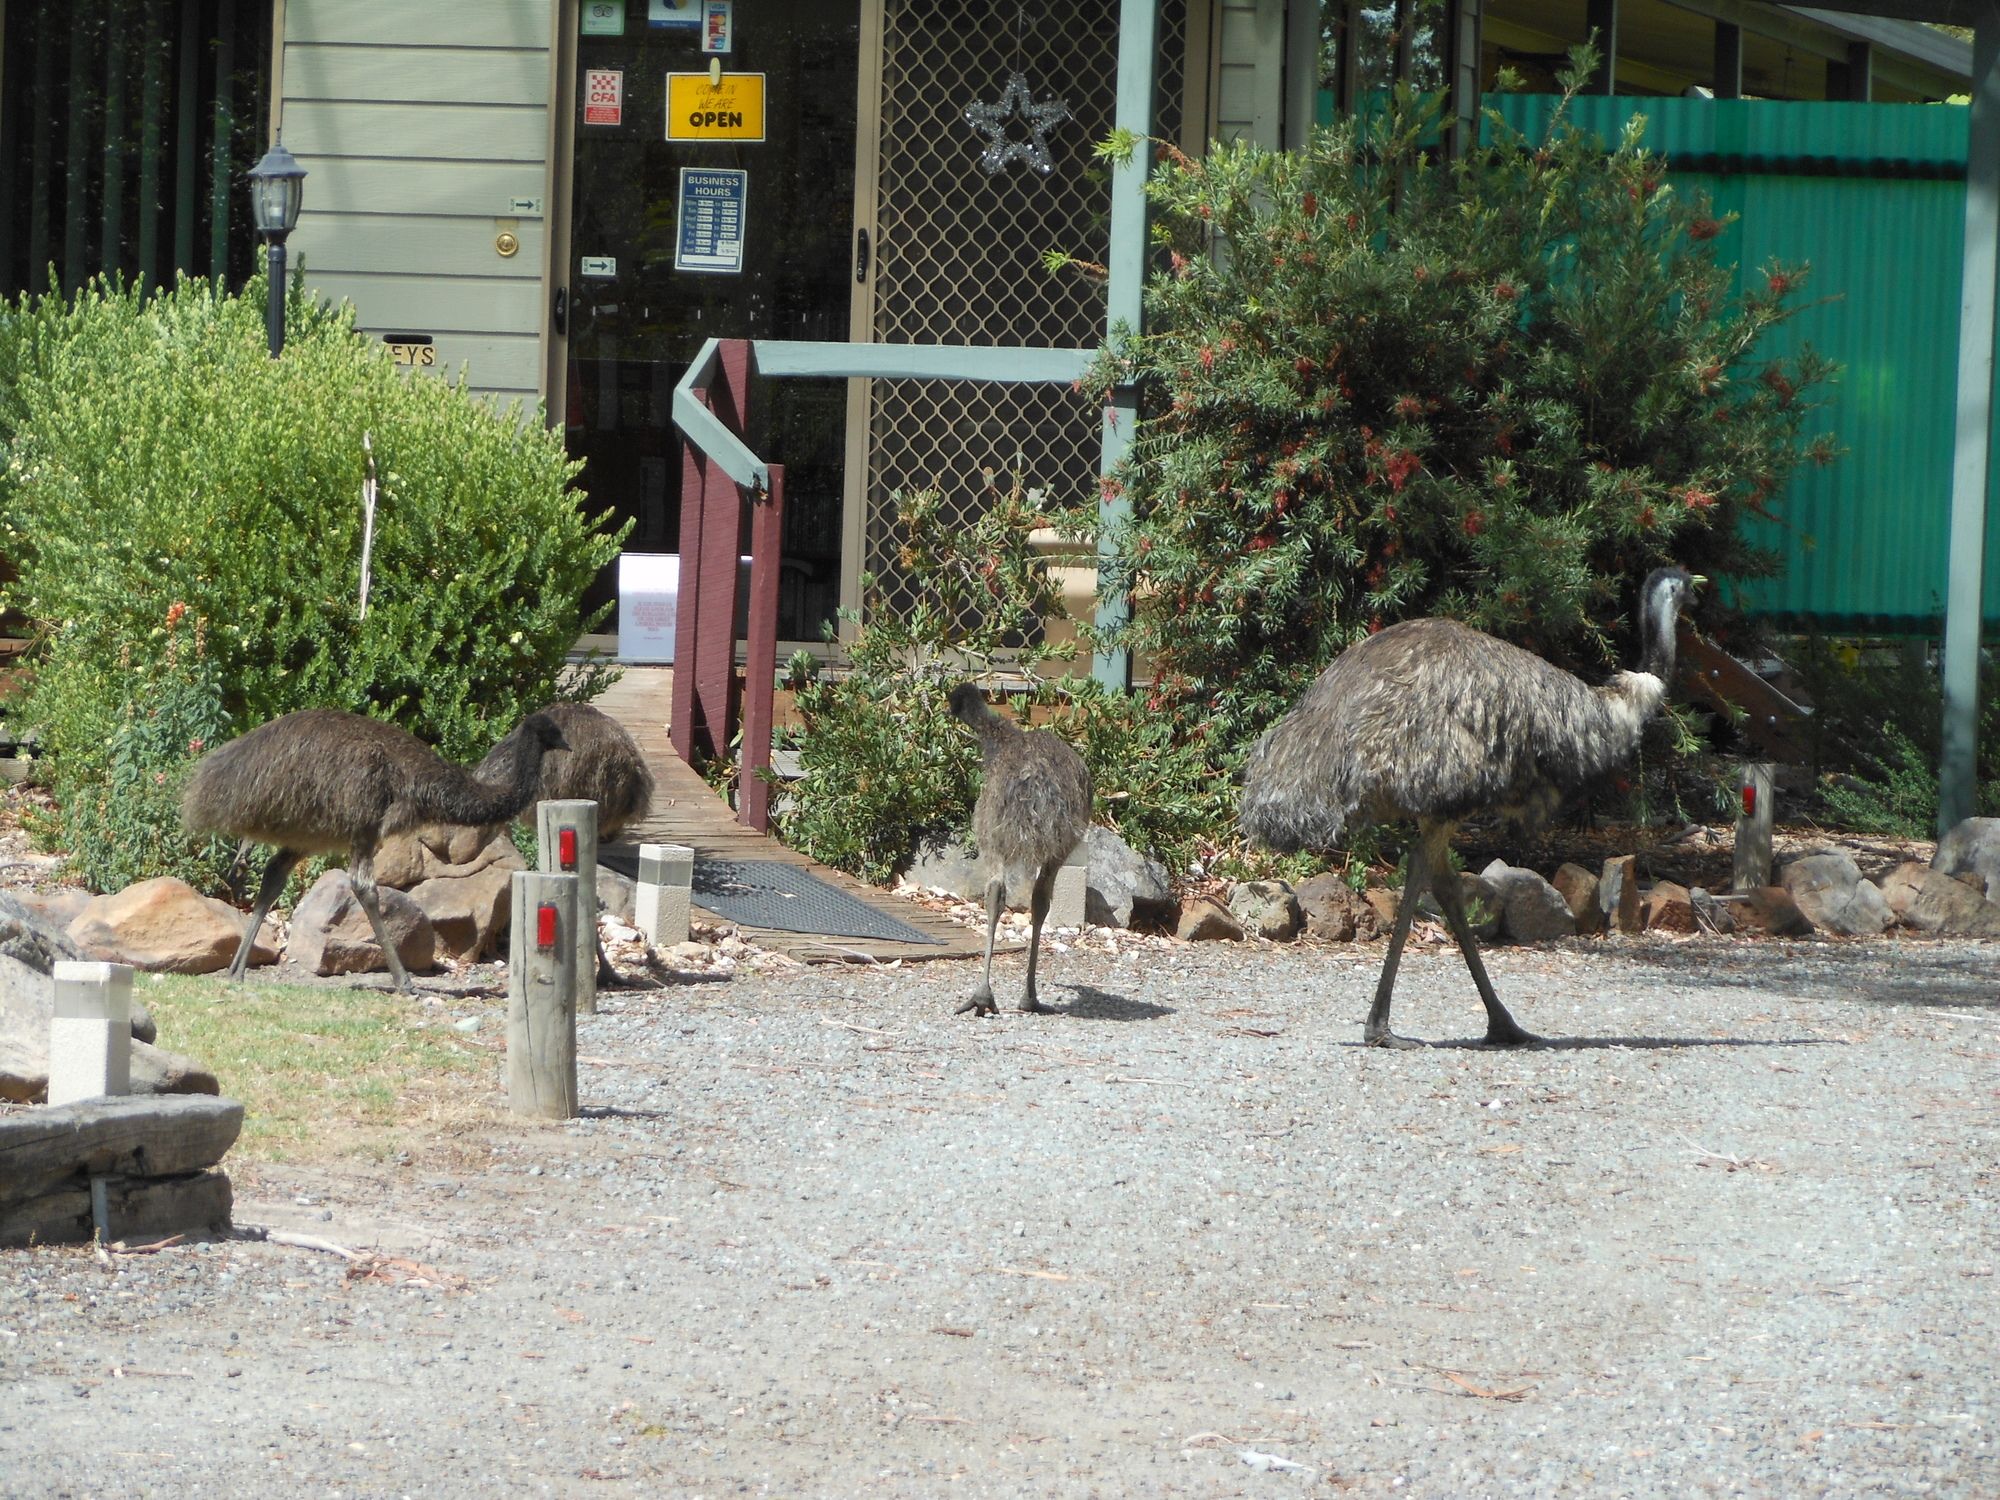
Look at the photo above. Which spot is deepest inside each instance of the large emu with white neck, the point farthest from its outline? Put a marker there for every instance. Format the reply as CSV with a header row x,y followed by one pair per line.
x,y
1431,721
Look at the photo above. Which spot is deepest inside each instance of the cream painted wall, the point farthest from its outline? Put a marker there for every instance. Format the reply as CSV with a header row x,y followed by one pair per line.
x,y
424,130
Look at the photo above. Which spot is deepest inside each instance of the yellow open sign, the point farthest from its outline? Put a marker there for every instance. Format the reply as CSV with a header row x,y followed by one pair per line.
x,y
727,108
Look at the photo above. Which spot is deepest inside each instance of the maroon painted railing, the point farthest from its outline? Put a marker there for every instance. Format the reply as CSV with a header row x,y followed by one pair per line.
x,y
707,699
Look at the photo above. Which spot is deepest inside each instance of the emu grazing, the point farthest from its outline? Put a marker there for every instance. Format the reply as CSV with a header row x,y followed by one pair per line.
x,y
1430,721
322,780
1033,809
602,764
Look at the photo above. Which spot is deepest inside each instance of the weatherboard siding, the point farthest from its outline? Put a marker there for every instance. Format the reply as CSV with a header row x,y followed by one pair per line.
x,y
420,126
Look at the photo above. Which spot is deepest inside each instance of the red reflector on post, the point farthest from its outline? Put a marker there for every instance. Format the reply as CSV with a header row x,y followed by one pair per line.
x,y
545,926
566,848
1749,801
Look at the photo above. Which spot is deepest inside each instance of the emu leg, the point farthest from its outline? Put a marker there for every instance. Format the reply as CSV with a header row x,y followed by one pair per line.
x,y
276,873
981,1003
1377,1033
1501,1028
361,875
1038,911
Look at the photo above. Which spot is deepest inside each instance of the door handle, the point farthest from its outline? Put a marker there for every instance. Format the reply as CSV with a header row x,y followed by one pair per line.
x,y
860,255
559,310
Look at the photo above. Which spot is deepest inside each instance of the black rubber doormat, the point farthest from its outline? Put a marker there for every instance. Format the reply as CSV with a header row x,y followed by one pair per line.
x,y
769,893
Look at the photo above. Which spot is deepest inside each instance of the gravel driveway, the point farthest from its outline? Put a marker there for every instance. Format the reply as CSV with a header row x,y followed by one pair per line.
x,y
1734,1234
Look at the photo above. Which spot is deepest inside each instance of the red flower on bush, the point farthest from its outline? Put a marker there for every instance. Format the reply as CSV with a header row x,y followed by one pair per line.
x,y
1505,291
1698,499
1310,203
175,612
1400,467
1409,406
1474,523
1704,228
1779,283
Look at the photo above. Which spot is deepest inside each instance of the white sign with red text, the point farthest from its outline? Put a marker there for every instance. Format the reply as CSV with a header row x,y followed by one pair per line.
x,y
603,96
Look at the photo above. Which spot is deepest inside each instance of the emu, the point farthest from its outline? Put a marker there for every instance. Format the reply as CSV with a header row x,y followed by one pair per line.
x,y
1430,721
1033,809
602,764
322,780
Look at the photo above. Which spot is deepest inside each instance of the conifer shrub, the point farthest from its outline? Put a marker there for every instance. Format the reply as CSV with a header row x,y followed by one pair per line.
x,y
1378,385
186,518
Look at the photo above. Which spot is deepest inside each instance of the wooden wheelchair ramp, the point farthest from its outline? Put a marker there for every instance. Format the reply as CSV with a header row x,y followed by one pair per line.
x,y
774,896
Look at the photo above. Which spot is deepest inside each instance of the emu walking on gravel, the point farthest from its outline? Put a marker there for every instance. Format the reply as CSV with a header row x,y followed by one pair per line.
x,y
1431,721
321,781
1033,809
602,764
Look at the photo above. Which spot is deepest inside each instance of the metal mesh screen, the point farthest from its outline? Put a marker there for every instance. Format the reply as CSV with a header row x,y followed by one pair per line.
x,y
960,252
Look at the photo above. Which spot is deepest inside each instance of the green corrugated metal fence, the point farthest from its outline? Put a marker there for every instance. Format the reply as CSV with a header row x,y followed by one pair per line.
x,y
1873,196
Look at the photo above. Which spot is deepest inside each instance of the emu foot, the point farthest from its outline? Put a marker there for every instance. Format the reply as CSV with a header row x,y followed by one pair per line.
x,y
1509,1035
1387,1038
1033,1006
981,1003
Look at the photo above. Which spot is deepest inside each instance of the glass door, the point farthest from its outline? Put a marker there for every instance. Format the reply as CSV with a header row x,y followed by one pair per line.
x,y
716,234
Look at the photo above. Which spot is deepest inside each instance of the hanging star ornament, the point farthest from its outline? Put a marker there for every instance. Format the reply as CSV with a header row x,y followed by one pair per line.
x,y
990,120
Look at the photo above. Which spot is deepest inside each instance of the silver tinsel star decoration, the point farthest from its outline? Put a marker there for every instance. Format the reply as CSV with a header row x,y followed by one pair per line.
x,y
990,120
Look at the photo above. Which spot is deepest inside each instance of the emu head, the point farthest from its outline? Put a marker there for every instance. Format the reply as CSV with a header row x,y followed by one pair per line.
x,y
1661,600
541,730
968,704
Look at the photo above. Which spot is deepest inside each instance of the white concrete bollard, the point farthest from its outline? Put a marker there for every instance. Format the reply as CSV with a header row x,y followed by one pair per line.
x,y
665,893
1066,901
90,1034
566,834
541,995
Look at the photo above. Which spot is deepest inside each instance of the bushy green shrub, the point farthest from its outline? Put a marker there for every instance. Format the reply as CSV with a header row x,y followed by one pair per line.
x,y
1376,385
160,464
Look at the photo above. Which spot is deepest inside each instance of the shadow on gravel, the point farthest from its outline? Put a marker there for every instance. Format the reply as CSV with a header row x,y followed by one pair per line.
x,y
1906,974
1092,1004
619,1112
1637,1043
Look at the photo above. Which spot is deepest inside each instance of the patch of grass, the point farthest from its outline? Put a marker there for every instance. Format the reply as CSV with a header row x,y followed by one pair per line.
x,y
329,1072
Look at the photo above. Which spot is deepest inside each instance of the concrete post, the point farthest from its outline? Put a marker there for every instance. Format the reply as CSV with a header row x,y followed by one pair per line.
x,y
90,1034
666,880
542,967
567,837
1753,827
1066,902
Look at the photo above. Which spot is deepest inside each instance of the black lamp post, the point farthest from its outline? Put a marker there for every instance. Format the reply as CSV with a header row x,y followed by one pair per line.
x,y
277,184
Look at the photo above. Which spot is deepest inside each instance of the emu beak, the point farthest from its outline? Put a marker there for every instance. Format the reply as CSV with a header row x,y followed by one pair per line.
x,y
1696,579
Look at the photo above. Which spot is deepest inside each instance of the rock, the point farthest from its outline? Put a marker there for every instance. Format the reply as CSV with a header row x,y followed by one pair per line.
x,y
1667,907
1205,922
1901,886
1830,891
1952,906
1122,887
949,867
1383,902
1267,909
58,908
441,851
1482,906
1531,910
468,913
158,1071
1334,912
164,924
1710,913
617,895
1579,892
1972,848
31,937
1618,894
331,933
24,1046
1770,909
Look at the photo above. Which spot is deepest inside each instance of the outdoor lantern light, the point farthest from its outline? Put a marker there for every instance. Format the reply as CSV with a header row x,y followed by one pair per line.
x,y
277,184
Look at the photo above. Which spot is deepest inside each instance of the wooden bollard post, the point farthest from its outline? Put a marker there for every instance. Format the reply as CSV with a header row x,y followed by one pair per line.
x,y
541,996
567,837
90,1033
660,909
1753,827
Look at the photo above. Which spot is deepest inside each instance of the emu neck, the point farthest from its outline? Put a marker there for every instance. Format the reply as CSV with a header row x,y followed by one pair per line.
x,y
994,733
497,801
1658,631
